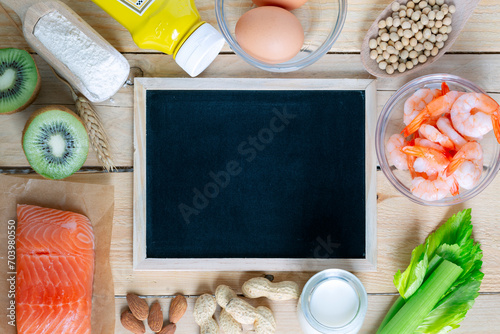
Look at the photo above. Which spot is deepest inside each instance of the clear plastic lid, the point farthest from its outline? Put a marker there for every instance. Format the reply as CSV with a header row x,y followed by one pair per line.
x,y
199,49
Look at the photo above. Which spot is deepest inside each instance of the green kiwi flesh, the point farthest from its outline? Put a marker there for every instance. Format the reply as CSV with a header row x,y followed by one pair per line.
x,y
55,142
19,80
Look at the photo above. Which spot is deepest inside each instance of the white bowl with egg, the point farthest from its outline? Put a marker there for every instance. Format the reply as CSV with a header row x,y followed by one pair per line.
x,y
321,21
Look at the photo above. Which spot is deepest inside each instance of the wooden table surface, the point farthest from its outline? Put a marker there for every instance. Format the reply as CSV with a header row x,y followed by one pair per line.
x,y
402,225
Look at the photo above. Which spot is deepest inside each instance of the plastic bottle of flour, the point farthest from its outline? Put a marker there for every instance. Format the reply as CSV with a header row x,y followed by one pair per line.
x,y
333,301
170,26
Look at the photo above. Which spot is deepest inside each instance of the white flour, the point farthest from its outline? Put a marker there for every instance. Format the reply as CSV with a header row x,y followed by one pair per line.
x,y
98,70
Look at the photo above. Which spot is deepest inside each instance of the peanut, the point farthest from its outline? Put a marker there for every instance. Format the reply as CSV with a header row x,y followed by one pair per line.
x,y
262,287
241,311
210,327
223,295
204,309
228,324
261,317
264,323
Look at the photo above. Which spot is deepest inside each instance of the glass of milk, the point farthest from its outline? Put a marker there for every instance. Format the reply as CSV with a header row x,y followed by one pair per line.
x,y
333,301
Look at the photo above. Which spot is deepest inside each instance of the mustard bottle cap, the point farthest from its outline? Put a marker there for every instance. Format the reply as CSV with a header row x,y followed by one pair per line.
x,y
200,49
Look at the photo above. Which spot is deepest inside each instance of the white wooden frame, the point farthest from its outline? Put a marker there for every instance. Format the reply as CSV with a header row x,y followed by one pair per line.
x,y
142,263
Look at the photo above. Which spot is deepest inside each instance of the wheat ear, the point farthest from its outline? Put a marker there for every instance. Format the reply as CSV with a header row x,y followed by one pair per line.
x,y
98,137
95,129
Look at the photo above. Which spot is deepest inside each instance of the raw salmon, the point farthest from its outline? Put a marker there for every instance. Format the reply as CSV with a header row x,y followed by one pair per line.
x,y
55,271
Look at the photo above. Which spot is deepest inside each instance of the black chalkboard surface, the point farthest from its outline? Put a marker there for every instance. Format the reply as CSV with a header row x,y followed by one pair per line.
x,y
252,173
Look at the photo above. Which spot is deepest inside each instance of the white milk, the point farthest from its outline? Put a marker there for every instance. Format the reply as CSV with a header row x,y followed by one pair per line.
x,y
334,303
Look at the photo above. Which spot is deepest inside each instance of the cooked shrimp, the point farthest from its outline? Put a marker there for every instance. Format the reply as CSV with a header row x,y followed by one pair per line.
x,y
396,157
434,190
421,166
475,114
437,107
467,165
444,125
430,132
436,161
417,102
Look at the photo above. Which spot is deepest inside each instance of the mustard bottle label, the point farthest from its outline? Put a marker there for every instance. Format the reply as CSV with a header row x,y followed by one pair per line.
x,y
137,6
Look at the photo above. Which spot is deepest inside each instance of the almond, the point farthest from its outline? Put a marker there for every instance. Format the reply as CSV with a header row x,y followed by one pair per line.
x,y
155,318
131,323
177,309
168,329
139,307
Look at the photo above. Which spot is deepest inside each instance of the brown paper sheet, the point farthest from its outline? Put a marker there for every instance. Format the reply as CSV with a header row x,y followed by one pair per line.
x,y
94,201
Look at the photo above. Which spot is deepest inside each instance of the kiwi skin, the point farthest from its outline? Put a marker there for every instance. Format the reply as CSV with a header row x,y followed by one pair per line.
x,y
41,111
33,96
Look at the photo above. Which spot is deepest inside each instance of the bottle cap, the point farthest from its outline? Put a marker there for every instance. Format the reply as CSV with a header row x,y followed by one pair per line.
x,y
199,49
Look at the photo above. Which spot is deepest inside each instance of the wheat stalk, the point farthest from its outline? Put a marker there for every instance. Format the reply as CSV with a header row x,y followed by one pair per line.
x,y
98,138
93,124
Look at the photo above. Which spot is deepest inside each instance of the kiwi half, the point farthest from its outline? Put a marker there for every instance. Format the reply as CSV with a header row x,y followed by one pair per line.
x,y
19,80
55,142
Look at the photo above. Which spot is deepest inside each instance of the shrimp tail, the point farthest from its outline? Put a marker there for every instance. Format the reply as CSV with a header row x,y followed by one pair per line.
x,y
496,125
454,164
415,124
411,161
445,89
455,187
423,152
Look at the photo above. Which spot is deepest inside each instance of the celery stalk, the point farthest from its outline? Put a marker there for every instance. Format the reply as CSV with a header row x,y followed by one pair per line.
x,y
418,306
398,304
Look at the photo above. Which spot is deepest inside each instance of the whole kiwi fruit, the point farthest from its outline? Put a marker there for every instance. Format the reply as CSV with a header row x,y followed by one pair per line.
x,y
19,80
55,142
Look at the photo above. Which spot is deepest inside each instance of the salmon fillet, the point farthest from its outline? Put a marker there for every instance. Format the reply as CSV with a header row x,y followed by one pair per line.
x,y
55,271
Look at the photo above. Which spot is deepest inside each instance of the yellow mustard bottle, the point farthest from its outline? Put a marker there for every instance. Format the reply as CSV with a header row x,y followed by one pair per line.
x,y
170,26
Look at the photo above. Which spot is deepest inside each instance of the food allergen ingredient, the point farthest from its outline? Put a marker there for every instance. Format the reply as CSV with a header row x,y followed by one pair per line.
x,y
264,322
155,317
261,317
286,4
55,263
204,310
131,323
177,309
19,80
270,34
168,329
429,280
241,311
261,287
440,158
94,66
98,137
223,294
228,324
420,24
55,142
138,306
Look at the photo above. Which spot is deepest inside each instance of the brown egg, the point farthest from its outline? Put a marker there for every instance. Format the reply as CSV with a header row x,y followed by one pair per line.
x,y
287,4
270,34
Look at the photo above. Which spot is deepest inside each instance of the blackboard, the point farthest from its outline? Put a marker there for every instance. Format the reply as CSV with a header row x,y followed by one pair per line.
x,y
256,173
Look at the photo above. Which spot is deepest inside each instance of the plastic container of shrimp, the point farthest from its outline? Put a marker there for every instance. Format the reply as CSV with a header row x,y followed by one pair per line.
x,y
391,122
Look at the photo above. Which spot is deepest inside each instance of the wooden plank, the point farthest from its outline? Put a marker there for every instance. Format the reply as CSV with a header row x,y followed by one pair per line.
x,y
479,69
482,318
402,225
480,34
117,113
